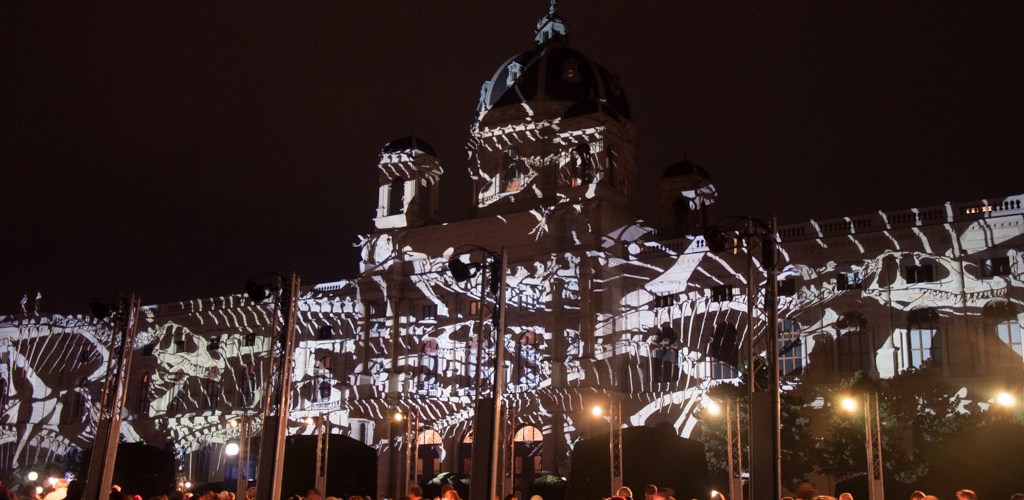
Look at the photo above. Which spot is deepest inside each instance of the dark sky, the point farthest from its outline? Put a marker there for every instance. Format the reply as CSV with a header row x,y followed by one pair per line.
x,y
175,148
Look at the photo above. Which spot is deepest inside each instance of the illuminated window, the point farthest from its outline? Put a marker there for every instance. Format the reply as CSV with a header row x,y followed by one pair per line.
x,y
664,300
854,344
1003,342
849,281
997,266
474,307
791,349
571,71
722,371
721,293
920,274
924,340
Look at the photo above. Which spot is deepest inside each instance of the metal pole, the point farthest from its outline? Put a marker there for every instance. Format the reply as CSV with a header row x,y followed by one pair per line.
x,y
323,434
275,425
615,443
873,441
115,390
242,481
499,381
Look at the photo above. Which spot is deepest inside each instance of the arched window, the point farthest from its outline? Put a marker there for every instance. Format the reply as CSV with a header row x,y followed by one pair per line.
x,y
1003,343
853,343
791,349
924,340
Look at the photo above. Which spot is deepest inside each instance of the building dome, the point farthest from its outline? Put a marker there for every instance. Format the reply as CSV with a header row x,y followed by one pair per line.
x,y
684,168
408,145
554,71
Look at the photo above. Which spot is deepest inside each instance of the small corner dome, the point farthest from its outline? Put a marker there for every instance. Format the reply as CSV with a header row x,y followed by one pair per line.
x,y
683,169
408,144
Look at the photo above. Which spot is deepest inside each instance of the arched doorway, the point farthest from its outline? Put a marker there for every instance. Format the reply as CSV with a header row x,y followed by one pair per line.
x,y
527,446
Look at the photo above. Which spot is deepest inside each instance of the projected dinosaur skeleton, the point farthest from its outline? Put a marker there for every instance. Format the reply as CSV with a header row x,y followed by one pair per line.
x,y
660,343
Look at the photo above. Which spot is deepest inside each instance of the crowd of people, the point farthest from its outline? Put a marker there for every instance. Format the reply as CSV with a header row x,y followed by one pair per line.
x,y
74,490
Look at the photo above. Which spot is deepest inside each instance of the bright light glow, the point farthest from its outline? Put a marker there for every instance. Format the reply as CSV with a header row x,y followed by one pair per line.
x,y
188,484
714,409
1006,399
39,490
399,417
32,476
233,423
310,421
52,481
849,404
714,493
597,411
231,449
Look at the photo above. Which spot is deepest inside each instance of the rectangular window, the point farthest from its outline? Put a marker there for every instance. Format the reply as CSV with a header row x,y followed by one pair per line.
x,y
249,340
925,346
997,266
787,288
919,274
325,332
664,300
429,311
849,281
474,308
721,293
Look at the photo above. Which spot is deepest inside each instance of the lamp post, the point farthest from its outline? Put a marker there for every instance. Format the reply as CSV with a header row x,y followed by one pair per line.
x,y
411,447
730,235
488,416
734,448
872,441
125,312
277,393
241,450
614,441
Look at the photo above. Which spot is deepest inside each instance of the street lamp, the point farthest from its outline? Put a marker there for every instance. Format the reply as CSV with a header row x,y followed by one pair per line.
x,y
33,475
872,441
488,416
411,447
124,312
1006,399
734,449
614,440
241,449
729,236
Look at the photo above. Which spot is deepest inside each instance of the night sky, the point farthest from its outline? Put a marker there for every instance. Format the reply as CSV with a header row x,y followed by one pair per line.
x,y
175,148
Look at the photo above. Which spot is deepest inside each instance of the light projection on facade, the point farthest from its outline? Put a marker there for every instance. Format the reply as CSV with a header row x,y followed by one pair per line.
x,y
600,304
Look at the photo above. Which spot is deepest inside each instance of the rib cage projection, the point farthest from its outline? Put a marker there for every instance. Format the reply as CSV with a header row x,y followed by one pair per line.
x,y
198,362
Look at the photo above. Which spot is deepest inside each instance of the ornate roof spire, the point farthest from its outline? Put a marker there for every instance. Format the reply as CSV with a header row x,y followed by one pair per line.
x,y
551,27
